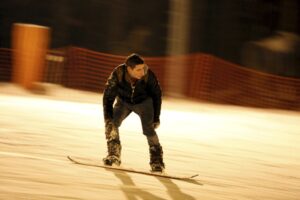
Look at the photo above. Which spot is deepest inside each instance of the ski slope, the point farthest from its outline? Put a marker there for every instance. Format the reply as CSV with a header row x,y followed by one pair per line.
x,y
239,153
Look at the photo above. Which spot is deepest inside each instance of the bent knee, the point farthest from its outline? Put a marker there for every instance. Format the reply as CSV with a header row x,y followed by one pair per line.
x,y
148,131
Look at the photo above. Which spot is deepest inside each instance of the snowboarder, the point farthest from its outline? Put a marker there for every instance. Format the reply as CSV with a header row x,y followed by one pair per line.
x,y
136,89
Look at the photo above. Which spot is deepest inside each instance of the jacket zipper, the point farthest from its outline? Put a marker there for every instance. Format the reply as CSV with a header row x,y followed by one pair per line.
x,y
132,92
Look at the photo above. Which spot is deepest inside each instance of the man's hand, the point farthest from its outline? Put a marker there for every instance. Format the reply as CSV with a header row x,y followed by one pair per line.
x,y
156,124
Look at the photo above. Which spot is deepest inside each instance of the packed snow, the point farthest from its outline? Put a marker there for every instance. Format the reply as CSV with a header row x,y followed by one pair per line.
x,y
239,153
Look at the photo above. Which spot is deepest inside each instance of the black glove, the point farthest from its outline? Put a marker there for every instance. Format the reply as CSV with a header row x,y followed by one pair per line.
x,y
156,124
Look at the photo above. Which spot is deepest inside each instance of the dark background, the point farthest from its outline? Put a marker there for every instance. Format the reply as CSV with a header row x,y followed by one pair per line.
x,y
219,27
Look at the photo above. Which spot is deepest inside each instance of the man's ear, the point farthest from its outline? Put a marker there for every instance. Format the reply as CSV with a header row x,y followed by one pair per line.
x,y
129,70
146,68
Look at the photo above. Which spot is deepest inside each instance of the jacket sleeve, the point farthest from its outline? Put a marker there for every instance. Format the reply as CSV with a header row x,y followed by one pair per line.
x,y
109,95
156,93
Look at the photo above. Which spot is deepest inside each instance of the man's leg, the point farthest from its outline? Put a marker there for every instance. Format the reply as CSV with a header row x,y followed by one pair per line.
x,y
114,147
146,114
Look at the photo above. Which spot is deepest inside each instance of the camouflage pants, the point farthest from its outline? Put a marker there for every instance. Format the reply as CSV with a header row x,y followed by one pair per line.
x,y
121,111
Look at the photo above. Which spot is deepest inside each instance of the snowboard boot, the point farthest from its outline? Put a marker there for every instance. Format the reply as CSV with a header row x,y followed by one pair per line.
x,y
156,158
114,153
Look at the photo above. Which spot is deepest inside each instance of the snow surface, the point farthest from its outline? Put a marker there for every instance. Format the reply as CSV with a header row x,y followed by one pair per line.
x,y
239,153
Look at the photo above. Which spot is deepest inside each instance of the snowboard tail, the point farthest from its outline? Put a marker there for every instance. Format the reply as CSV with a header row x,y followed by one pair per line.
x,y
97,163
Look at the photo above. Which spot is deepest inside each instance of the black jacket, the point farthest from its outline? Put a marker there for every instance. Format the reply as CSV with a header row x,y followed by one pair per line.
x,y
118,85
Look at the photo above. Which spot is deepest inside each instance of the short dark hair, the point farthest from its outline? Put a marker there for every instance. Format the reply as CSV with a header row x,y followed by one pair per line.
x,y
133,60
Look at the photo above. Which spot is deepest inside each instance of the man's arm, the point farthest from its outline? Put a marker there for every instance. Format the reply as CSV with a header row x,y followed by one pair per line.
x,y
109,95
156,94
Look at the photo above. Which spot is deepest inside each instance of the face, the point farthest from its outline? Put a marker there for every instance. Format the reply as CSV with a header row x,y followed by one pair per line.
x,y
137,72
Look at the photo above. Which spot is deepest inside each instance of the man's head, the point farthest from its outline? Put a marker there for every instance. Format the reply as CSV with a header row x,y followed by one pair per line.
x,y
135,66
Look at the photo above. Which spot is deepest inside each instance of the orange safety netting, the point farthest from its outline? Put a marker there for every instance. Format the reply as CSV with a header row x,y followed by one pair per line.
x,y
89,70
204,77
5,64
216,80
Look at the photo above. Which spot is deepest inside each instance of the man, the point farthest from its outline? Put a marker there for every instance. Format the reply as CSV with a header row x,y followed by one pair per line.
x,y
135,89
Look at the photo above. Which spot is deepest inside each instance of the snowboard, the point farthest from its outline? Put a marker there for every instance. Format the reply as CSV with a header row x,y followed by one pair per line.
x,y
98,163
